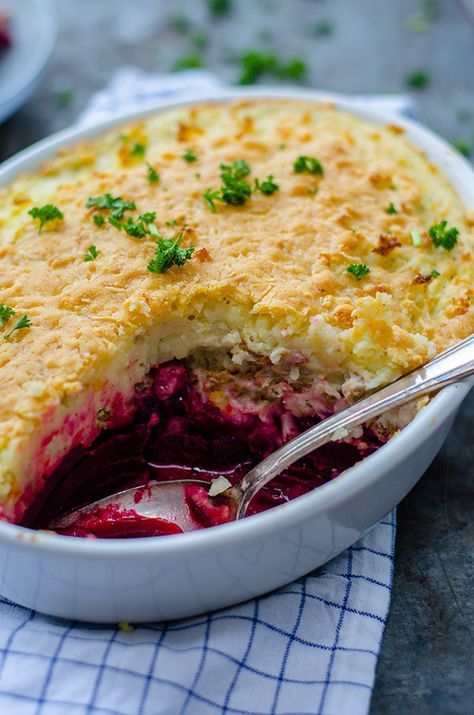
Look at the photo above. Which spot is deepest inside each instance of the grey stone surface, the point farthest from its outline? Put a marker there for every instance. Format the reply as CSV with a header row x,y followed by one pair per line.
x,y
426,663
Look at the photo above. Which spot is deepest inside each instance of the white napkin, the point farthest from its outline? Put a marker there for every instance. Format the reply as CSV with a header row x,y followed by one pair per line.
x,y
308,648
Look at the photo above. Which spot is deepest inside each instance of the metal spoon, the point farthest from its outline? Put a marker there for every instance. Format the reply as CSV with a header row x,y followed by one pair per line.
x,y
166,499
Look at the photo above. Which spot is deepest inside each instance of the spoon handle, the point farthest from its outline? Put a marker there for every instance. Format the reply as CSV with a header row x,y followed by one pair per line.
x,y
450,366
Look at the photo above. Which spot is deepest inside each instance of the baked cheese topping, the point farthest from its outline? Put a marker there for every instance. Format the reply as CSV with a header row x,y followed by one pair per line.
x,y
337,242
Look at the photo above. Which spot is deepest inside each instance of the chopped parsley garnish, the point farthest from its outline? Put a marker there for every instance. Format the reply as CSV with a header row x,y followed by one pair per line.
x,y
358,270
46,213
98,219
416,238
308,165
91,253
5,314
443,236
114,204
421,20
322,28
235,188
153,176
190,156
294,69
391,209
171,223
218,8
141,227
435,273
169,253
419,79
181,23
138,150
267,186
24,322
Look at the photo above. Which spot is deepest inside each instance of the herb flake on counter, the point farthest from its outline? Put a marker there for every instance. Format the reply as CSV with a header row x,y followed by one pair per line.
x,y
358,270
169,253
443,236
5,314
462,147
189,156
322,28
267,186
91,254
419,79
45,214
187,62
219,8
308,165
254,64
64,97
24,322
391,209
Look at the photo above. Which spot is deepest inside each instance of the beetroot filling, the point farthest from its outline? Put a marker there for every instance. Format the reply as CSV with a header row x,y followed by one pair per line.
x,y
176,434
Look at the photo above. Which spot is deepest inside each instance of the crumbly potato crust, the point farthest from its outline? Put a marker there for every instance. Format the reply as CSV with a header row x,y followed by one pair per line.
x,y
269,276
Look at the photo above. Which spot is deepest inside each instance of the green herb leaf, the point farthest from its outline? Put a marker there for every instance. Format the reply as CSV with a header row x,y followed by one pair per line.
x,y
218,8
64,97
391,209
463,147
210,197
171,223
189,156
294,69
435,273
419,79
98,219
443,236
254,64
180,23
187,62
153,176
5,314
46,213
24,322
117,205
91,253
138,150
322,28
169,253
267,186
308,165
358,270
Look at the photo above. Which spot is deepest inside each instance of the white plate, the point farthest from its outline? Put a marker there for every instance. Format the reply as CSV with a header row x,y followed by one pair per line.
x,y
160,578
34,30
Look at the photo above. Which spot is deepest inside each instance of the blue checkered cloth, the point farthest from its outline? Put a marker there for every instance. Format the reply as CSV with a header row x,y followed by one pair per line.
x,y
308,648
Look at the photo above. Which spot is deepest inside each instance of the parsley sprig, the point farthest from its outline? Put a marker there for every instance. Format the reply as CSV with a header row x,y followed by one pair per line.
x,y
308,165
23,322
169,253
116,205
443,236
5,314
358,270
45,214
91,254
153,176
235,188
267,186
190,156
391,208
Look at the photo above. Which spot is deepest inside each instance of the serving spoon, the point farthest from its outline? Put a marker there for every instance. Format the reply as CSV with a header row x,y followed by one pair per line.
x,y
167,500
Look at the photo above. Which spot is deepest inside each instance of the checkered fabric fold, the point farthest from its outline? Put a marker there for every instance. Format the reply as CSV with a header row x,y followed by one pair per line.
x,y
309,648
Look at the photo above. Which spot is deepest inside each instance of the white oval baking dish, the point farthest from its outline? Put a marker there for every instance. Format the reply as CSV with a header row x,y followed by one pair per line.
x,y
174,576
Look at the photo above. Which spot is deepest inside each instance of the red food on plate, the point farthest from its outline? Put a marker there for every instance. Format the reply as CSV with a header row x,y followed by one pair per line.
x,y
5,35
